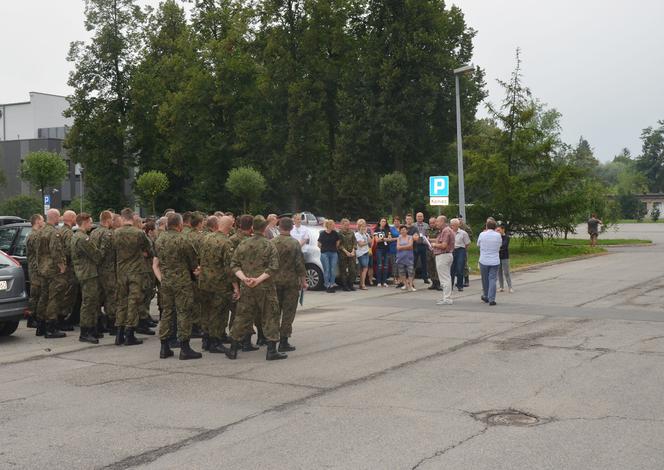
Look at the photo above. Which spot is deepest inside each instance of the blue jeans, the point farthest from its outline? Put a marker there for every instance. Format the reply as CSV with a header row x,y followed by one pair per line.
x,y
329,260
383,264
421,254
457,266
489,275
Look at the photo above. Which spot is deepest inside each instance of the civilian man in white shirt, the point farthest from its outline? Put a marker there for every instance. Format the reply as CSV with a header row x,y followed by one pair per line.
x,y
461,244
300,233
489,243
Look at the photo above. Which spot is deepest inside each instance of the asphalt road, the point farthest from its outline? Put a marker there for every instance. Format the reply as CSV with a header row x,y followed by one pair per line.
x,y
380,380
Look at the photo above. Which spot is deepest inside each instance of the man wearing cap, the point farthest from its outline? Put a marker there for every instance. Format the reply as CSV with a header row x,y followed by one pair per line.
x,y
254,263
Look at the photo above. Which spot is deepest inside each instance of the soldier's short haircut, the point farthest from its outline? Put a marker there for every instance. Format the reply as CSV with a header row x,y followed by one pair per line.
x,y
196,219
229,214
173,220
168,211
186,217
219,214
82,217
259,223
127,214
149,226
246,221
286,224
344,220
35,218
213,222
105,216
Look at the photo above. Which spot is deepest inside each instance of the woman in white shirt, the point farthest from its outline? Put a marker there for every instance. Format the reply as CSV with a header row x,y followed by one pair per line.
x,y
362,251
489,243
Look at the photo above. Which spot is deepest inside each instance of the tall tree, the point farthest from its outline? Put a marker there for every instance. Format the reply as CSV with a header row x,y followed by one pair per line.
x,y
101,100
651,160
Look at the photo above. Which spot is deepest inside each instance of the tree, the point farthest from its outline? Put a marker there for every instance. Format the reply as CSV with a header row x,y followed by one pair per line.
x,y
101,99
246,184
651,160
43,169
21,206
150,185
393,188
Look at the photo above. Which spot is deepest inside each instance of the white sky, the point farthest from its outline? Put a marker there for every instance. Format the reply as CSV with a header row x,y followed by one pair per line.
x,y
599,62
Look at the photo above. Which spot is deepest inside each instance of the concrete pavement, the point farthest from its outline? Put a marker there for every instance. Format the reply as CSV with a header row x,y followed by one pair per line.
x,y
381,379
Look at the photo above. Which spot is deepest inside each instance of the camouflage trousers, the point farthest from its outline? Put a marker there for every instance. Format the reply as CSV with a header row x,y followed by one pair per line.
x,y
107,294
214,313
89,302
288,297
197,309
49,307
347,269
35,292
129,297
257,303
431,266
148,295
176,298
66,290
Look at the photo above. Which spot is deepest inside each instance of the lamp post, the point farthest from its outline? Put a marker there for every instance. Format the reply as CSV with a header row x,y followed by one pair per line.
x,y
462,193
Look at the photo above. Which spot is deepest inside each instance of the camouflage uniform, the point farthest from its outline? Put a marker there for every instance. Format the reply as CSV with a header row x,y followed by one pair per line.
x,y
177,261
236,238
195,238
131,244
255,256
432,234
32,244
288,280
214,283
67,286
150,284
347,273
50,254
102,238
85,258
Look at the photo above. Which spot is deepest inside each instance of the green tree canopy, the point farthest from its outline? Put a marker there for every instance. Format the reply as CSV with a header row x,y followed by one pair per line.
x,y
246,184
651,160
150,185
43,170
393,188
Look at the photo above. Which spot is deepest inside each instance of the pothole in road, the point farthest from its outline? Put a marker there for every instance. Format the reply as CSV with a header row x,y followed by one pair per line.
x,y
509,417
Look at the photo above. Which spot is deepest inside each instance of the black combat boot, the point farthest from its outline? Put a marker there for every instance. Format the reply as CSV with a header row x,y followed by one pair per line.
x,y
173,343
205,342
63,325
284,345
32,321
41,328
151,323
272,353
87,336
260,337
351,288
187,353
196,332
466,281
52,331
120,336
231,353
215,346
165,351
144,328
246,344
344,286
225,339
130,339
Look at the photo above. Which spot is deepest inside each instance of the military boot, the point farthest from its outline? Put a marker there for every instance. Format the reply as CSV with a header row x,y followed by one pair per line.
x,y
41,328
205,342
120,336
216,346
187,353
231,353
260,338
63,325
246,344
173,343
272,353
87,336
32,321
130,339
144,328
351,288
52,331
284,345
165,351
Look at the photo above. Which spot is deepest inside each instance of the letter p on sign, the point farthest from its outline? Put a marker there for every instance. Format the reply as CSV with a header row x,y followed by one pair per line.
x,y
439,186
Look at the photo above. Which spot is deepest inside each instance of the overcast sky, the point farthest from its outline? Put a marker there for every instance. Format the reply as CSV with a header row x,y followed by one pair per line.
x,y
599,62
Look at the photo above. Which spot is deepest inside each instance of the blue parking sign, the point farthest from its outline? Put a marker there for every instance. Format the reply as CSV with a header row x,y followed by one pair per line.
x,y
439,186
47,200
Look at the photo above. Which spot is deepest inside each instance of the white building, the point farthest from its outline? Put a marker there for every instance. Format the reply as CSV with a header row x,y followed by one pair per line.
x,y
34,119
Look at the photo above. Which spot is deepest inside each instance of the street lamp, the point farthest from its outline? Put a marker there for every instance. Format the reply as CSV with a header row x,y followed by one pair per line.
x,y
462,194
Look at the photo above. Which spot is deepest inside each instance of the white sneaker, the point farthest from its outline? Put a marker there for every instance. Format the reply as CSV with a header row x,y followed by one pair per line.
x,y
444,302
412,289
501,290
511,291
404,288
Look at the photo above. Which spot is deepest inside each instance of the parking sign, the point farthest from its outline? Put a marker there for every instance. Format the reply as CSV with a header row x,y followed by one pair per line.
x,y
47,200
439,186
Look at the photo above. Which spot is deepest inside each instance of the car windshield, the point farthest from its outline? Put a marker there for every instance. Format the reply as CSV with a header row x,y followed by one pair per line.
x,y
7,235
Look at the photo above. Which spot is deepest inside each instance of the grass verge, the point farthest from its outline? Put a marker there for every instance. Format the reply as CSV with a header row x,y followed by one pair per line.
x,y
601,241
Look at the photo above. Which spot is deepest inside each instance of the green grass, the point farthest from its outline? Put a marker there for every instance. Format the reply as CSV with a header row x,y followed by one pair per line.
x,y
601,241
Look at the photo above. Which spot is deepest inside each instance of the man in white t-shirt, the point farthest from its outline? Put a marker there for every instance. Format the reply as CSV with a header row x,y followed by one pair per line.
x,y
300,233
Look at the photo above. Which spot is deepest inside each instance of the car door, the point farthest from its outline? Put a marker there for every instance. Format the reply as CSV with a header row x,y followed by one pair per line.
x,y
20,250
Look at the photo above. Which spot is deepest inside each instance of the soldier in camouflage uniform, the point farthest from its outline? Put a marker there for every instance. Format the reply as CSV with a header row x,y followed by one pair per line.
x,y
145,321
31,245
175,267
102,237
195,237
67,285
289,280
347,245
52,263
432,234
244,230
85,258
255,262
131,249
216,288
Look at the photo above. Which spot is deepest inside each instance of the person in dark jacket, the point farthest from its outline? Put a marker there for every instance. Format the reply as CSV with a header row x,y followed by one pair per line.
x,y
504,271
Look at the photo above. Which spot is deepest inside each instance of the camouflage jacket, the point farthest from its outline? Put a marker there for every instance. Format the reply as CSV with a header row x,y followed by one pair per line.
x,y
67,234
131,246
215,254
237,238
31,245
254,256
84,256
195,237
291,262
50,251
102,238
177,259
347,240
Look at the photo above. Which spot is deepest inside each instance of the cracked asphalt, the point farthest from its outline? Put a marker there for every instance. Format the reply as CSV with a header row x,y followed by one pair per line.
x,y
380,380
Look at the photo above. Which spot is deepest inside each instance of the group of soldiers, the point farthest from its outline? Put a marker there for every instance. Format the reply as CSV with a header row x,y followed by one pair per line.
x,y
212,274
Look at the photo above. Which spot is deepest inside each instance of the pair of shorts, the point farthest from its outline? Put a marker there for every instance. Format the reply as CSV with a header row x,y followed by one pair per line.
x,y
363,260
404,270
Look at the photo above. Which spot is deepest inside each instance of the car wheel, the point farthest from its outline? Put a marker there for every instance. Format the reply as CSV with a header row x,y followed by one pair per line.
x,y
8,327
314,277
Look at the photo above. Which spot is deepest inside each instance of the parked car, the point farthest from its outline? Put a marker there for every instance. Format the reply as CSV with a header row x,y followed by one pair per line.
x,y
307,217
13,296
10,219
312,261
12,241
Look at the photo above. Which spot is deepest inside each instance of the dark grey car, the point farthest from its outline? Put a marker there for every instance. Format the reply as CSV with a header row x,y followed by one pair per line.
x,y
13,296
